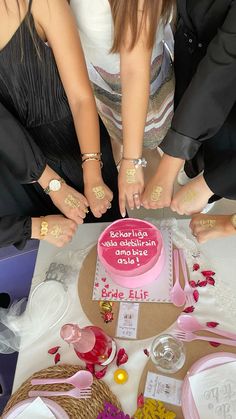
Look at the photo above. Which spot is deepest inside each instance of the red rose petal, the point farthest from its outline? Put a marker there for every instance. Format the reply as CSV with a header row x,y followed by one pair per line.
x,y
196,295
57,358
193,284
140,401
90,368
215,344
146,351
188,309
212,324
100,374
122,357
202,283
196,266
210,280
208,273
53,351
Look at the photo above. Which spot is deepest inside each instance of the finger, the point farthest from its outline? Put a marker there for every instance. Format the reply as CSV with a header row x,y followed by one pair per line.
x,y
137,202
122,205
130,201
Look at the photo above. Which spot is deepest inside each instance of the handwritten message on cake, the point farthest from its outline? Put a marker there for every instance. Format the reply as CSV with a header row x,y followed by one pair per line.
x,y
129,249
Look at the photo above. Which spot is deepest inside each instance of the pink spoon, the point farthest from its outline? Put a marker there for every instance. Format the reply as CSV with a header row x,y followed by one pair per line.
x,y
81,379
177,294
191,324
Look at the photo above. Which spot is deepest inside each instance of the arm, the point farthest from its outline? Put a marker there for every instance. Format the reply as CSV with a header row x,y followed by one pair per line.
x,y
135,85
58,24
209,97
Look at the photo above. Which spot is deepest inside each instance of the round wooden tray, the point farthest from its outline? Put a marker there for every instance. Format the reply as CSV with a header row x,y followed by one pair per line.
x,y
153,317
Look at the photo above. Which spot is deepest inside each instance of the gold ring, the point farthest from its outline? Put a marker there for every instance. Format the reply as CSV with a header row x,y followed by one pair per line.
x,y
136,195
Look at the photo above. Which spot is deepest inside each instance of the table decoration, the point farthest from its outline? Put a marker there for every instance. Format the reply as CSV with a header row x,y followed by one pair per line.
x,y
110,411
75,408
153,409
121,376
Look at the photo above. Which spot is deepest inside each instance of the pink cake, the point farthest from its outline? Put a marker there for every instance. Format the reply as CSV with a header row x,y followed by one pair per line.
x,y
132,252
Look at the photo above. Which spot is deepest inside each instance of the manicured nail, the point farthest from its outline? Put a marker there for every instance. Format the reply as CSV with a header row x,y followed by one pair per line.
x,y
123,214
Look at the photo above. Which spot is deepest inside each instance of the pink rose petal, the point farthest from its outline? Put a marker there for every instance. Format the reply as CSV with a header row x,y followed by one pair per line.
x,y
90,368
188,309
202,283
196,295
146,351
193,284
140,401
54,350
57,358
212,324
215,344
208,273
210,280
122,357
100,374
196,266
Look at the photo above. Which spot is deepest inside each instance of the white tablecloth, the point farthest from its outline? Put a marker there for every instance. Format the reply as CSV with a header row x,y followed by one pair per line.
x,y
222,254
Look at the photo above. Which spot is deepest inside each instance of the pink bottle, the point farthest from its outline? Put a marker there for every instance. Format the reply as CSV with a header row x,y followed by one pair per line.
x,y
91,344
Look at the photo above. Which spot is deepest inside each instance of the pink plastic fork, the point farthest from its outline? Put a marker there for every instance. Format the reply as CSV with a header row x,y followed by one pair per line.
x,y
187,288
189,336
75,392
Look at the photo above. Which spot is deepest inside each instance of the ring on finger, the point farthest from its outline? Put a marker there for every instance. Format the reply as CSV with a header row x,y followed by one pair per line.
x,y
136,195
109,205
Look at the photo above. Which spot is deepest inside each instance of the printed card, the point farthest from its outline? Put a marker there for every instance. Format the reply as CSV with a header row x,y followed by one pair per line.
x,y
165,389
127,320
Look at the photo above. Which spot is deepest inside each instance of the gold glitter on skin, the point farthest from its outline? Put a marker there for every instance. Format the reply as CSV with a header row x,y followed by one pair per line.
x,y
72,202
189,196
156,193
56,231
99,192
130,175
208,223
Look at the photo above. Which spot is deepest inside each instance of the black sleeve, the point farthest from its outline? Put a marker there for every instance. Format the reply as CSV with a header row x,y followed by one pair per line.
x,y
221,177
14,230
209,97
18,150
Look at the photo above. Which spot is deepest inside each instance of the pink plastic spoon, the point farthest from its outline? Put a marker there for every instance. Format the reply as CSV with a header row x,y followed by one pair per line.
x,y
177,294
189,323
81,379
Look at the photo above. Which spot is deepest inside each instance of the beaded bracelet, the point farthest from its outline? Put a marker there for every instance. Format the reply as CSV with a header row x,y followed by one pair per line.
x,y
43,229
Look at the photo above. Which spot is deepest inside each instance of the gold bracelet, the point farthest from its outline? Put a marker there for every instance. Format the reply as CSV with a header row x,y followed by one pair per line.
x,y
85,155
93,159
43,229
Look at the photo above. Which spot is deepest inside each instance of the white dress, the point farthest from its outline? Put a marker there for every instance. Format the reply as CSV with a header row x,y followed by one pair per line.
x,y
96,29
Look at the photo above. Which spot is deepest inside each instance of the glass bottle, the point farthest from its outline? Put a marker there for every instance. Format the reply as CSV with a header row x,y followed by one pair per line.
x,y
91,344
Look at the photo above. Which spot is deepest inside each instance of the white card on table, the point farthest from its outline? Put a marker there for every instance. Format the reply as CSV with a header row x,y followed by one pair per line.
x,y
127,323
165,389
214,392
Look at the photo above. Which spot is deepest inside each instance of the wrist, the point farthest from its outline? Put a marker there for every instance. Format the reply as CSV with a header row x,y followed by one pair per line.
x,y
91,171
35,228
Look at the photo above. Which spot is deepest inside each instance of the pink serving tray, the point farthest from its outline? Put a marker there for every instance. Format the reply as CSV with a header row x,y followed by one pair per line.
x,y
55,408
188,405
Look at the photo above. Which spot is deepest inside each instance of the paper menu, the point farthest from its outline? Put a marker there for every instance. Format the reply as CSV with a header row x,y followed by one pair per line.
x,y
157,291
163,388
214,392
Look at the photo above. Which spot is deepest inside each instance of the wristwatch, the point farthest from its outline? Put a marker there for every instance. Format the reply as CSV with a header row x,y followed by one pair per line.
x,y
54,185
233,220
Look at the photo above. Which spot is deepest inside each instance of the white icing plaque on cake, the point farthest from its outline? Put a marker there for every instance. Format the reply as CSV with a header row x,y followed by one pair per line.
x,y
156,291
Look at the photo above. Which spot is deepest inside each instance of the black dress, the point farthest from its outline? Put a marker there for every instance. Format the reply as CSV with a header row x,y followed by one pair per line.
x,y
204,125
31,91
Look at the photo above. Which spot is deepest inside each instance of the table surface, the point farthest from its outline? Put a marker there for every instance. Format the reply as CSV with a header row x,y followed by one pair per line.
x,y
35,357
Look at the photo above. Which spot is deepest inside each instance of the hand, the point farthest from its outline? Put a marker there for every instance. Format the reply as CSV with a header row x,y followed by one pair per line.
x,y
192,198
206,227
99,196
131,184
60,230
71,203
158,193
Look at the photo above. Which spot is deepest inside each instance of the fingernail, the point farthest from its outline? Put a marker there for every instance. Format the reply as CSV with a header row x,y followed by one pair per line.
x,y
123,214
138,207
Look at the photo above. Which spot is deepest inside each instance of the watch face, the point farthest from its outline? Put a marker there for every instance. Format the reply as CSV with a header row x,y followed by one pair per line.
x,y
54,185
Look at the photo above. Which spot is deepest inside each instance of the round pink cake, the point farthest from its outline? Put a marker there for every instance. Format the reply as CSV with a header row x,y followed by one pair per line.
x,y
132,252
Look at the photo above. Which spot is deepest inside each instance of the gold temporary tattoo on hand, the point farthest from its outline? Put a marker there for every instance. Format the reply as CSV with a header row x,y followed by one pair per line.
x,y
130,175
56,231
99,192
72,202
189,196
208,223
156,193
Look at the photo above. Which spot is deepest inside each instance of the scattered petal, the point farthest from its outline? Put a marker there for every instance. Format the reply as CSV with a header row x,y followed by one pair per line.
x,y
57,358
122,357
193,284
100,374
54,350
208,273
212,324
215,344
188,309
196,295
210,280
146,351
196,266
202,283
90,368
140,401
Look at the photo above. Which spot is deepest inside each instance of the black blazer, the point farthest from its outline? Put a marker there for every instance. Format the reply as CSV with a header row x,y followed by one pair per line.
x,y
205,65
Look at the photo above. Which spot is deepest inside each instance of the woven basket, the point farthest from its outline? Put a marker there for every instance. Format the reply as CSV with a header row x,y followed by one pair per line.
x,y
75,408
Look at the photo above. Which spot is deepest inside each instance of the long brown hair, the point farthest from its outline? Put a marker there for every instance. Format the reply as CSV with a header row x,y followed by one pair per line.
x,y
125,15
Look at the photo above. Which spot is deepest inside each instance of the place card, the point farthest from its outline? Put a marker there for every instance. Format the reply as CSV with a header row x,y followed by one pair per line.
x,y
157,291
127,323
214,391
165,389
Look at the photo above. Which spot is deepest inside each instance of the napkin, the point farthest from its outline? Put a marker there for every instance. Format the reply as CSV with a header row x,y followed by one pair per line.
x,y
37,410
214,392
